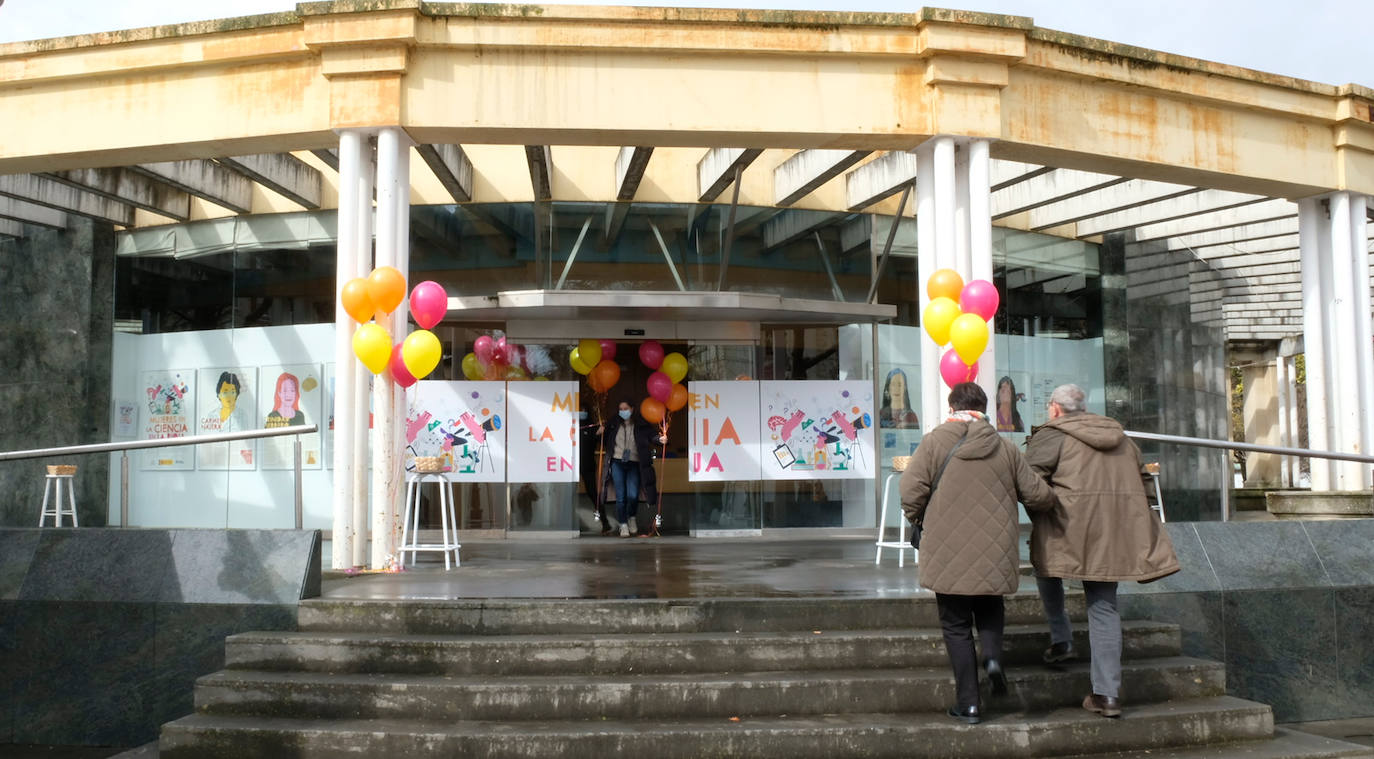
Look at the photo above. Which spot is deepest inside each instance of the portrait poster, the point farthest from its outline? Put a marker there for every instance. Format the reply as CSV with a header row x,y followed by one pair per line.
x,y
816,429
226,404
542,439
723,442
168,403
289,395
126,419
462,423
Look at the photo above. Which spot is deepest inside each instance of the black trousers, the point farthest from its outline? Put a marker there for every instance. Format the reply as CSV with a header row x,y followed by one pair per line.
x,y
958,616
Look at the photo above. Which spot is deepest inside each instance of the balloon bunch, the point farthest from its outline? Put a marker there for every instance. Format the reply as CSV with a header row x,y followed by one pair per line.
x,y
378,294
495,360
595,360
958,315
666,395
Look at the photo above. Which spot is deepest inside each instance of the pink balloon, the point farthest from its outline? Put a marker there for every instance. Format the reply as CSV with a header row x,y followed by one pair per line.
x,y
483,347
500,354
980,297
607,350
953,370
660,386
428,303
651,353
399,372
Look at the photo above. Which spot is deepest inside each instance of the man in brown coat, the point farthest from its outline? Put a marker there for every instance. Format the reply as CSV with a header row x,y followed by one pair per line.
x,y
1102,532
962,486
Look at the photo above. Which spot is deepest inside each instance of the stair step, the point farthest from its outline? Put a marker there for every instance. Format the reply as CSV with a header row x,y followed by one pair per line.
x,y
666,653
658,696
1286,744
1061,732
595,617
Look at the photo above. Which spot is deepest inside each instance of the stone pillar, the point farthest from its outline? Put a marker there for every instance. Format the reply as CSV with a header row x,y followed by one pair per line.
x,y
1261,414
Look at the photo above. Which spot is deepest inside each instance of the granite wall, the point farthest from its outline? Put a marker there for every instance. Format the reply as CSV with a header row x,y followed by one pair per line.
x,y
1286,605
58,291
103,632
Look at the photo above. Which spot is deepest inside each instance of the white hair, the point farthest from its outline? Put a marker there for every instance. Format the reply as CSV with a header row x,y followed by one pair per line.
x,y
1069,398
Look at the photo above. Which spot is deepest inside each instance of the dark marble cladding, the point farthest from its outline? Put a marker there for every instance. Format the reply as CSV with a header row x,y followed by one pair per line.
x,y
1201,617
259,566
1345,549
1355,650
1258,555
1195,572
55,389
16,554
101,564
1281,650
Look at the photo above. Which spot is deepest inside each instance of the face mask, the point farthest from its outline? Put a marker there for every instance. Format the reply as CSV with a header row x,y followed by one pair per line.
x,y
625,413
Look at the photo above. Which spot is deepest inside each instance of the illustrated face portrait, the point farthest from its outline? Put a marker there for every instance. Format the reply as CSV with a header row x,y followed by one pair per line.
x,y
288,393
228,395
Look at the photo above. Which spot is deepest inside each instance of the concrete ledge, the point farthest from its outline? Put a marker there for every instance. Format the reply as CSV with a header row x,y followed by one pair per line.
x,y
1291,504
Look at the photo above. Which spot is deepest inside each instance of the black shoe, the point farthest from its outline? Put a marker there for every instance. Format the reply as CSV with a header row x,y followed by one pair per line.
x,y
966,714
1058,653
997,677
1107,706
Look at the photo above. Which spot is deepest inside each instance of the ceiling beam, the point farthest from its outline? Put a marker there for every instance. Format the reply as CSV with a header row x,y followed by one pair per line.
x,y
1234,235
130,187
11,228
1169,209
807,170
1003,173
328,156
879,179
204,179
284,174
629,170
46,192
1267,210
451,167
540,160
716,170
1046,188
1127,195
30,213
792,224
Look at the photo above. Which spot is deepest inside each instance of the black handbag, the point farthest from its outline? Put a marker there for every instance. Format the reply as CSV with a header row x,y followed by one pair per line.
x,y
916,526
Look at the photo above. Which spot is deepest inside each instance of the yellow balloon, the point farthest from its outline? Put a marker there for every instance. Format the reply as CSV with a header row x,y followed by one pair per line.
x,y
421,352
578,365
675,366
372,346
969,336
472,368
589,351
940,313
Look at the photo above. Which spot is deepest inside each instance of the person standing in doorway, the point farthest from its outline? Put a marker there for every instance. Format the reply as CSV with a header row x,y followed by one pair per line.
x,y
1101,532
961,487
629,441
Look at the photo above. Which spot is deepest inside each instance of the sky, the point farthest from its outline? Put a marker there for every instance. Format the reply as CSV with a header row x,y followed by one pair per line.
x,y
1323,40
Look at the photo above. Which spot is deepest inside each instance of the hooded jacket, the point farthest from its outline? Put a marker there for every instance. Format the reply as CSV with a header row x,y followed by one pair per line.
x,y
1103,528
968,546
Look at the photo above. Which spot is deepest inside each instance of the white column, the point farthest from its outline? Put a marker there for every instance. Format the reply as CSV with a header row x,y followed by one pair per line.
x,y
931,385
362,378
1310,223
1364,332
400,321
386,477
1281,380
946,256
1344,407
1294,463
980,250
341,547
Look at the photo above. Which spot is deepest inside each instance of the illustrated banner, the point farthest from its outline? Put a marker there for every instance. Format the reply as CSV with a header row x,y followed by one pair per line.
x,y
226,405
290,396
724,443
168,401
817,429
542,438
461,422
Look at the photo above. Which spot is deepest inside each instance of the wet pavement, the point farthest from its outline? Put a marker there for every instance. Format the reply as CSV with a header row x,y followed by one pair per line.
x,y
646,568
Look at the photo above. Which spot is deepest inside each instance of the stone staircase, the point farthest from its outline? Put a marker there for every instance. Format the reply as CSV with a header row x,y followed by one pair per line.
x,y
694,678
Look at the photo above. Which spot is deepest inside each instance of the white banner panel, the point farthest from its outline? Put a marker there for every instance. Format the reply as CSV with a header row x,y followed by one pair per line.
x,y
170,400
461,422
816,429
542,442
724,422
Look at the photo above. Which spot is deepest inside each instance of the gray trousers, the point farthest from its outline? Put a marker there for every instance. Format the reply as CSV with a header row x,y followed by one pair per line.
x,y
1104,628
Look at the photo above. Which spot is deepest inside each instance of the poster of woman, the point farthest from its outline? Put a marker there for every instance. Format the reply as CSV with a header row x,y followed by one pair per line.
x,y
168,401
226,405
896,410
294,400
1008,406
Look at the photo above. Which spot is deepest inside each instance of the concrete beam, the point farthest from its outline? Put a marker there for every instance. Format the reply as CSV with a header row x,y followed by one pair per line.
x,y
1233,235
29,213
879,179
1003,173
46,192
1252,213
629,171
801,174
540,160
125,186
329,156
792,224
203,179
1046,188
1127,195
11,228
451,167
716,170
282,173
1191,204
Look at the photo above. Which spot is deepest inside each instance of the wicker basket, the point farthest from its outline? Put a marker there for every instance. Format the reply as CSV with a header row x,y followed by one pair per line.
x,y
429,464
899,463
61,469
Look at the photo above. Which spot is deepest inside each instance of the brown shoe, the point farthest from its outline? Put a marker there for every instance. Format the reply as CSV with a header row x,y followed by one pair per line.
x,y
1104,705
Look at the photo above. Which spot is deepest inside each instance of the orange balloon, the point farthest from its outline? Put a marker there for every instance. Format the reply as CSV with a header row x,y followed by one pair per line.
x,y
604,375
387,288
945,283
652,409
678,399
356,301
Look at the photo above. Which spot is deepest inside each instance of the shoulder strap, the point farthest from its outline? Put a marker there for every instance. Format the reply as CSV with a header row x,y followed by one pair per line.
x,y
941,473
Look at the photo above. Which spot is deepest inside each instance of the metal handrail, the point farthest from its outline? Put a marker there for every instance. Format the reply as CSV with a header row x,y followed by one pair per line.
x,y
124,448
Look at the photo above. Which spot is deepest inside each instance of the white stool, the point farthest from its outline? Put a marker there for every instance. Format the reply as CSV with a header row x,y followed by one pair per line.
x,y
60,480
410,525
898,466
1158,505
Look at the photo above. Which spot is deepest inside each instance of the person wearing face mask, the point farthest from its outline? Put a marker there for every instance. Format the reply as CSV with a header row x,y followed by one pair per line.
x,y
630,441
